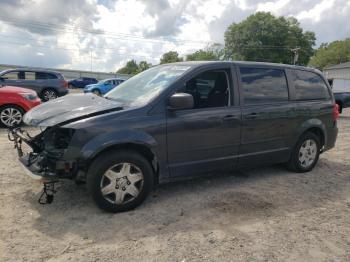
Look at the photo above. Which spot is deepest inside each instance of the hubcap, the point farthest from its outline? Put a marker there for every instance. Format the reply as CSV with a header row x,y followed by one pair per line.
x,y
49,95
11,116
121,183
307,153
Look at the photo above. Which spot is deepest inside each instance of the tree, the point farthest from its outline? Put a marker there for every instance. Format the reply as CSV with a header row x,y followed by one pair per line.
x,y
331,54
264,37
211,53
170,57
132,68
201,55
143,65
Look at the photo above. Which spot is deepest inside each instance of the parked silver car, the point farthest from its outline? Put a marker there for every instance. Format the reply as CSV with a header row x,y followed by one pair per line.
x,y
48,84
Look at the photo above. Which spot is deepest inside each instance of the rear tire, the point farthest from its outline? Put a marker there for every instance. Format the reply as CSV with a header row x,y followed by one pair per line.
x,y
48,94
305,154
119,180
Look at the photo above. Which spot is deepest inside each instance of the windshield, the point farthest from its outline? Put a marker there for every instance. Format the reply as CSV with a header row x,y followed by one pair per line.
x,y
101,81
145,86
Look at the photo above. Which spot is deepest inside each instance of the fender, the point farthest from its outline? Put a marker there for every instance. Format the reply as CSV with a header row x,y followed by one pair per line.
x,y
106,140
312,123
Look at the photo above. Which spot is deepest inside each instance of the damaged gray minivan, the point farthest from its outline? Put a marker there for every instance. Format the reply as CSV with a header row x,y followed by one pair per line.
x,y
176,121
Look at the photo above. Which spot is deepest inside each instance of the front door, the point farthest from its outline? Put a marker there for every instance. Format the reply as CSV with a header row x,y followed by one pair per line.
x,y
13,78
206,137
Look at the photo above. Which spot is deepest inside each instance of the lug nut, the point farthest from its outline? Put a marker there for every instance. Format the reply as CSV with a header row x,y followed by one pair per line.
x,y
128,182
123,188
116,187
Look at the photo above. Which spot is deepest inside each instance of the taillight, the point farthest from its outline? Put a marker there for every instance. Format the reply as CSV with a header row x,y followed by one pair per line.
x,y
335,112
65,84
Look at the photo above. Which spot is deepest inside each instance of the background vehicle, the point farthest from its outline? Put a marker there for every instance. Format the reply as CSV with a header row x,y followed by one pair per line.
x,y
81,82
341,91
14,102
47,84
103,86
180,120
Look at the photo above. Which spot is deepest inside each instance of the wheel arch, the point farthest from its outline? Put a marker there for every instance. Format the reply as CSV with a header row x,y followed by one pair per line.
x,y
145,145
316,127
15,105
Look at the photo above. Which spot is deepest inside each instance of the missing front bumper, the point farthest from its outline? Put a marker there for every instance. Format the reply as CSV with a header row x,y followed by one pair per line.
x,y
31,162
33,170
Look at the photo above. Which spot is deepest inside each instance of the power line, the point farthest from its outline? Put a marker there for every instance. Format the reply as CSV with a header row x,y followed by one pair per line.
x,y
46,42
71,49
73,29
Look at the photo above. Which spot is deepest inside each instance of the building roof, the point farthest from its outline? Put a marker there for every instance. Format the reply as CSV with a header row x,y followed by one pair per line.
x,y
339,66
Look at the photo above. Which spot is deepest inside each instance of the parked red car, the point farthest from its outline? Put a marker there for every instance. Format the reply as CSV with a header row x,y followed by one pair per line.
x,y
14,103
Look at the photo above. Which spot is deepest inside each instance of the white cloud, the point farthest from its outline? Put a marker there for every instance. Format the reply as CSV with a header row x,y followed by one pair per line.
x,y
273,6
71,34
317,11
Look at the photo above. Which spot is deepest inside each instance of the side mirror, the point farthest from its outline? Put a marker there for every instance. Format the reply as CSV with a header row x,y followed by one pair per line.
x,y
180,101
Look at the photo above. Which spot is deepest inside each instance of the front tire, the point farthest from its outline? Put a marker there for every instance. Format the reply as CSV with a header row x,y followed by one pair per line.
x,y
119,180
96,92
11,116
305,153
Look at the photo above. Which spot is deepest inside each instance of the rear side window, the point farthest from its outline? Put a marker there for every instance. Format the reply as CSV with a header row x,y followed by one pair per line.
x,y
263,85
29,76
44,75
309,86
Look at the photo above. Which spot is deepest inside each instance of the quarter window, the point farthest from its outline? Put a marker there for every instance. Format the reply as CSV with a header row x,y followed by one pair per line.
x,y
309,86
209,89
29,76
263,85
44,75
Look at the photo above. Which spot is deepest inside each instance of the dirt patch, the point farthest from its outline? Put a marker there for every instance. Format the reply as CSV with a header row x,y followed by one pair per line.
x,y
261,214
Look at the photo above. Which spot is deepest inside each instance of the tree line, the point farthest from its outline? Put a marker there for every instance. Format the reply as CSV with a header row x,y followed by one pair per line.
x,y
261,37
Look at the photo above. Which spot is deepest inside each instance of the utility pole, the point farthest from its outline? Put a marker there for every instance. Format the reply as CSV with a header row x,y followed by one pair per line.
x,y
91,60
296,54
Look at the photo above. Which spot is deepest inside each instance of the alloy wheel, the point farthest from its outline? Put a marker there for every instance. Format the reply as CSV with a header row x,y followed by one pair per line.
x,y
49,95
11,116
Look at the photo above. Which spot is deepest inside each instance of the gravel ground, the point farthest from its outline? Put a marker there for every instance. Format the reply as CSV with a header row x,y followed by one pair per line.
x,y
262,214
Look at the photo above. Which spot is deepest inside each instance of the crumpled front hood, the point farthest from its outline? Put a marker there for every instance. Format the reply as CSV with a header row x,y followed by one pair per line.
x,y
68,109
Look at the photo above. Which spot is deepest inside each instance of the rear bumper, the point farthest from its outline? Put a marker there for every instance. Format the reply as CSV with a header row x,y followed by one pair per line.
x,y
332,135
62,91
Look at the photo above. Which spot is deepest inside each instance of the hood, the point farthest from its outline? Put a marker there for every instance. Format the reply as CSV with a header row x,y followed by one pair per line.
x,y
15,89
68,109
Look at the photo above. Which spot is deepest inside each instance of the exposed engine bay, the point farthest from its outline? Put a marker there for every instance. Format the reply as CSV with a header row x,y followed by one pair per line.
x,y
45,159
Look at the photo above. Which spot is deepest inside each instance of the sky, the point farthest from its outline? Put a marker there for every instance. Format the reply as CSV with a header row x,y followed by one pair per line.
x,y
101,35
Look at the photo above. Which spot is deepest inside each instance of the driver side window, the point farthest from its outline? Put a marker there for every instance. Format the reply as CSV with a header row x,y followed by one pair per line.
x,y
209,89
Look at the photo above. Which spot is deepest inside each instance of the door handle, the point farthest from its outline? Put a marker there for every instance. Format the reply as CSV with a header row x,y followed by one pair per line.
x,y
251,116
